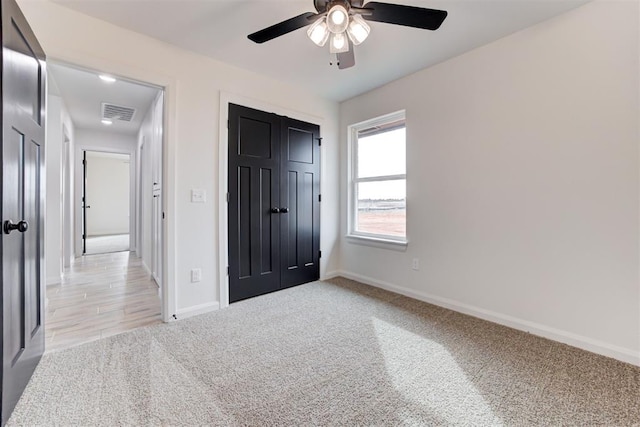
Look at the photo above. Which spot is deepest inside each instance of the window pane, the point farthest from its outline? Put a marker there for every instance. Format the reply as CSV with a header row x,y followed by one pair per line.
x,y
382,154
382,208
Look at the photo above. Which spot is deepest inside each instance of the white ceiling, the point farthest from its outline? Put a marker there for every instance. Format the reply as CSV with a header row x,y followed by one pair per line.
x,y
83,93
219,29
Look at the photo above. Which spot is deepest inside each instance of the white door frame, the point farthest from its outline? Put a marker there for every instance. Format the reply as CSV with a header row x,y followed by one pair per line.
x,y
227,98
168,83
78,182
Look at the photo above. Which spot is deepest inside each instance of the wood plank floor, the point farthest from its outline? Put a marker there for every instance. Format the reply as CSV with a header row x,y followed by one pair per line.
x,y
101,295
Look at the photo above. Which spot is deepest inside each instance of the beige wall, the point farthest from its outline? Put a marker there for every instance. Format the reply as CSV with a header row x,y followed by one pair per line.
x,y
523,192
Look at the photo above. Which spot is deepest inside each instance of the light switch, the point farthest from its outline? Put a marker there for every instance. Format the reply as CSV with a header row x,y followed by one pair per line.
x,y
198,196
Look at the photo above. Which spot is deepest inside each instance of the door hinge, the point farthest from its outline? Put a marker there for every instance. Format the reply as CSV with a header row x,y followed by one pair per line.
x,y
319,197
319,254
227,270
162,215
84,162
228,197
319,141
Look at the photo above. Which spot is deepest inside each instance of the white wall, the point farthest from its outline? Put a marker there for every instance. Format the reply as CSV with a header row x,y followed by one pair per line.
x,y
149,154
108,194
523,181
53,235
109,142
193,86
57,125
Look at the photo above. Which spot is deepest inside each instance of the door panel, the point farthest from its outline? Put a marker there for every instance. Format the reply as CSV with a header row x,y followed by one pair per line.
x,y
254,169
300,192
23,89
13,246
274,208
31,240
266,220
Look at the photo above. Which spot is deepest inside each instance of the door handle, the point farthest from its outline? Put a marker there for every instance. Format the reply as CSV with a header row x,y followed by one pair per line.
x,y
21,226
275,210
284,210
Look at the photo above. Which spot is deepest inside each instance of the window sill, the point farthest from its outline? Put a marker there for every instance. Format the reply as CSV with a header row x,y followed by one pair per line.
x,y
377,242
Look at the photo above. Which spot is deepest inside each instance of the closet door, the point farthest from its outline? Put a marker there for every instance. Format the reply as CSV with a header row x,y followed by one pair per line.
x,y
274,202
300,202
254,218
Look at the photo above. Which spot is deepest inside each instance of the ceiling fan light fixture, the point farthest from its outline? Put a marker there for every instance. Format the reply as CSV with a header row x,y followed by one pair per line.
x,y
358,29
338,19
339,43
318,32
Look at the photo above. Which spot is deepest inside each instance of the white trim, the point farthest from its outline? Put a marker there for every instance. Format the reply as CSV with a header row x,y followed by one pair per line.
x,y
78,183
150,76
185,313
377,242
330,275
147,270
589,344
382,241
54,280
227,98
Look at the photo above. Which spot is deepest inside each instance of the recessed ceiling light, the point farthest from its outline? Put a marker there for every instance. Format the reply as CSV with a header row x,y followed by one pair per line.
x,y
107,79
106,122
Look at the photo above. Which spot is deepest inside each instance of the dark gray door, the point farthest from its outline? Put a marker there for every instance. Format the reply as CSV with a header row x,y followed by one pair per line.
x,y
274,206
23,103
254,201
300,197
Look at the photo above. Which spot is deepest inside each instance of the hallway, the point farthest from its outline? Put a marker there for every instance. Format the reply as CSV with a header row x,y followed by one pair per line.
x,y
101,295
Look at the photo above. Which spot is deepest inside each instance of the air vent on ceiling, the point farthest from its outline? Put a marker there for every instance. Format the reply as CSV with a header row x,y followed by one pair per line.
x,y
117,112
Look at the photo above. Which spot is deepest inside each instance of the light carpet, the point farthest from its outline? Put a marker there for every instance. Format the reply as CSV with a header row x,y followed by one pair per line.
x,y
329,353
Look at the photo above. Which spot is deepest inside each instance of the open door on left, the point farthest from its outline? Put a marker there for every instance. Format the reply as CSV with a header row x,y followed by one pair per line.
x,y
23,115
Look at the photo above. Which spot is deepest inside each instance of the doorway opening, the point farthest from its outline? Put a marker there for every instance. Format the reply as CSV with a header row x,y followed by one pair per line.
x,y
106,208
103,235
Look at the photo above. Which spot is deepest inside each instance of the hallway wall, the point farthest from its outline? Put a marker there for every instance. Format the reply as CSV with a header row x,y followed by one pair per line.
x,y
149,149
58,122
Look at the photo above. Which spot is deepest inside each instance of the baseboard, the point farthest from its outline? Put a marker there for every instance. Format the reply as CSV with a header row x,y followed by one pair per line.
x,y
330,275
196,310
147,270
575,340
54,280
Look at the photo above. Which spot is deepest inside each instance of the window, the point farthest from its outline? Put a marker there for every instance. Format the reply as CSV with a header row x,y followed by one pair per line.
x,y
378,179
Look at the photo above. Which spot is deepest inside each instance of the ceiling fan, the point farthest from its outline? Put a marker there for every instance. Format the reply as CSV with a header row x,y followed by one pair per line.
x,y
345,23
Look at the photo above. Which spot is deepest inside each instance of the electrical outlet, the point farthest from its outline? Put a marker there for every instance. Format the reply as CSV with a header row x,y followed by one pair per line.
x,y
196,275
415,264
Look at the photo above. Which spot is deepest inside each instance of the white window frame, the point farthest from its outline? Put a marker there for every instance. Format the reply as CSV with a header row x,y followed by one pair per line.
x,y
352,234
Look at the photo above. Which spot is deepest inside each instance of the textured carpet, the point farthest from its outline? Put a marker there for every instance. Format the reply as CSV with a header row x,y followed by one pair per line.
x,y
329,353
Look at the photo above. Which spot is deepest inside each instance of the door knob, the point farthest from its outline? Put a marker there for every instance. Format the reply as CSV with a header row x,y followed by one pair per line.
x,y
284,210
21,226
275,210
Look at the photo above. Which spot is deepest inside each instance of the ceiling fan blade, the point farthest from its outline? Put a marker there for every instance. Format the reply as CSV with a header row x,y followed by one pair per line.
x,y
409,16
282,28
347,59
